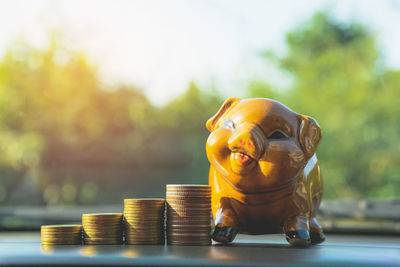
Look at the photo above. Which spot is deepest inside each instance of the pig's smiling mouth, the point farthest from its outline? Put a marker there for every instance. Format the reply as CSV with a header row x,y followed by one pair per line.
x,y
242,158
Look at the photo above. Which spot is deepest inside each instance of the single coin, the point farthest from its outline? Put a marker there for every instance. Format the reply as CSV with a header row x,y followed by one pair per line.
x,y
138,223
98,235
88,222
62,243
102,224
188,203
190,212
180,225
60,239
144,207
60,233
143,215
189,186
102,217
144,233
62,227
188,234
187,195
177,243
103,243
146,200
188,217
144,238
189,230
188,239
144,241
102,229
134,242
148,211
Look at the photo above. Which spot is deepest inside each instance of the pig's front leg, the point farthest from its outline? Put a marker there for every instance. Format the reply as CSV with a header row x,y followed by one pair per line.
x,y
226,226
297,231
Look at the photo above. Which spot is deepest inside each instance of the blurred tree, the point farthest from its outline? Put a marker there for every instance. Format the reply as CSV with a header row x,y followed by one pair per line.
x,y
187,116
338,82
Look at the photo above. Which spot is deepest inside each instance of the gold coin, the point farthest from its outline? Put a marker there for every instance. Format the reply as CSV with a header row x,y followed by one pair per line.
x,y
186,227
188,220
188,195
144,200
60,236
178,243
102,217
149,238
189,239
133,223
60,233
101,222
189,230
148,211
103,229
189,210
62,227
143,231
189,186
62,243
145,242
75,240
189,204
148,241
99,235
103,242
144,216
149,221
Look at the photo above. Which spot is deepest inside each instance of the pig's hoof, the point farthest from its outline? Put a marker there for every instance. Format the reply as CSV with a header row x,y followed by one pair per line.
x,y
224,234
317,237
299,238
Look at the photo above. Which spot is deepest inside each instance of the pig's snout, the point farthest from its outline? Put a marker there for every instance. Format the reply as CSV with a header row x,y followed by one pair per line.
x,y
248,139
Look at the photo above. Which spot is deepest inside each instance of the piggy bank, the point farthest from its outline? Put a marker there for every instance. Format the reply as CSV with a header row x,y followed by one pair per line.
x,y
264,173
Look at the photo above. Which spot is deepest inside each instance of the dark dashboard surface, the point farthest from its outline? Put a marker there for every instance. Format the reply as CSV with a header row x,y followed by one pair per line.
x,y
24,248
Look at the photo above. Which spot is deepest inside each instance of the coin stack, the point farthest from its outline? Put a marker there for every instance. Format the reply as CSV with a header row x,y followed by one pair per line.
x,y
144,221
102,228
188,214
61,234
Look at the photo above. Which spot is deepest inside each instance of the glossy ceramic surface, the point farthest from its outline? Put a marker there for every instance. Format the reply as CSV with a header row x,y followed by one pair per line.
x,y
264,173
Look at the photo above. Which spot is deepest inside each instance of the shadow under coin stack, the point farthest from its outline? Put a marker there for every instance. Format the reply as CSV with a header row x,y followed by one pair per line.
x,y
188,214
61,234
102,228
144,221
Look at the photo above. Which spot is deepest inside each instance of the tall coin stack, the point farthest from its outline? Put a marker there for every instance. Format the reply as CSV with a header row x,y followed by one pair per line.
x,y
61,234
102,228
188,214
144,221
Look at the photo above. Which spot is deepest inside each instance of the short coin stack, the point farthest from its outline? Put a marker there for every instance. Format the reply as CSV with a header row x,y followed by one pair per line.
x,y
102,228
144,221
188,214
61,234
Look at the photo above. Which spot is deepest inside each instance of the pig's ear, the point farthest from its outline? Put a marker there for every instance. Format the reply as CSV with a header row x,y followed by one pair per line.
x,y
309,135
228,104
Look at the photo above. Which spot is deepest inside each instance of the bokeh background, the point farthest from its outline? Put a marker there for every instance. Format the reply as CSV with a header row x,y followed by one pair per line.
x,y
103,100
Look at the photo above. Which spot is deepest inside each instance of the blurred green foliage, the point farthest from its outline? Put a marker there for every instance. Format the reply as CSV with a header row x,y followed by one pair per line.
x,y
338,81
66,138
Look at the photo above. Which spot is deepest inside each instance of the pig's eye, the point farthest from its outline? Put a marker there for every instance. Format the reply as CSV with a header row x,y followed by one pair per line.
x,y
277,135
229,124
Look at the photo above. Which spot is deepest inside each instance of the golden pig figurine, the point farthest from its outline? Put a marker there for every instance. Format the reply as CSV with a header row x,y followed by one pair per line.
x,y
264,173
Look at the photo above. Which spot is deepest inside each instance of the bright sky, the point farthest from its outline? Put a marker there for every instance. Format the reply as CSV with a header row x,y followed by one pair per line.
x,y
160,46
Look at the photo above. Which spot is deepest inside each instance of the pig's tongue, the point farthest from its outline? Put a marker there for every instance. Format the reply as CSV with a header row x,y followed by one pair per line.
x,y
242,158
